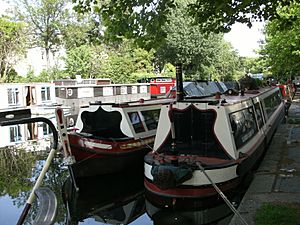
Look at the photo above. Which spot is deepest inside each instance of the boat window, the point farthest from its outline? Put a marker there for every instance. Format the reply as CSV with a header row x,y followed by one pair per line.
x,y
151,118
46,129
272,102
243,126
13,96
15,133
259,115
45,94
194,134
102,123
136,122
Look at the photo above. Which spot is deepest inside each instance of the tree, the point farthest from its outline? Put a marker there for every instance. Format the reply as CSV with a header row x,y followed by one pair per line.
x,y
139,20
220,15
79,61
126,63
143,20
203,55
282,47
254,64
45,17
227,64
12,45
80,30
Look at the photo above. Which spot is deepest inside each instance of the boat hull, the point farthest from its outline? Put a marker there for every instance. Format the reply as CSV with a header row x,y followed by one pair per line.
x,y
228,176
103,164
97,157
197,187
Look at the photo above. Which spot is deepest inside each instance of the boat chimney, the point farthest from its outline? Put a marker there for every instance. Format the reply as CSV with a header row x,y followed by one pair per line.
x,y
179,82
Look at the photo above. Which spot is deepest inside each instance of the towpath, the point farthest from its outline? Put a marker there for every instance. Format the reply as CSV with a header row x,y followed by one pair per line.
x,y
278,176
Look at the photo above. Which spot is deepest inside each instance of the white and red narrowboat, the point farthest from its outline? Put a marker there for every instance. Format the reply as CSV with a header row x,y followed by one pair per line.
x,y
222,137
108,138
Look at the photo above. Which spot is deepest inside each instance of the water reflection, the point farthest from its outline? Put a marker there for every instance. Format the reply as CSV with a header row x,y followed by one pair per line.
x,y
113,199
19,170
120,199
15,170
219,214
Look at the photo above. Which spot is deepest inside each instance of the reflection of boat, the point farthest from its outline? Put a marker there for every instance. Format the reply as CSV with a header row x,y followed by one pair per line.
x,y
108,199
112,137
218,214
221,138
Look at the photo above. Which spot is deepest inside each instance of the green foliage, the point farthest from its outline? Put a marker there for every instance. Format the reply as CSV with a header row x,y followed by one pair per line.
x,y
278,214
144,20
44,76
227,63
169,70
79,61
282,47
220,15
45,18
122,64
255,65
204,56
15,166
80,30
126,63
18,172
12,46
139,20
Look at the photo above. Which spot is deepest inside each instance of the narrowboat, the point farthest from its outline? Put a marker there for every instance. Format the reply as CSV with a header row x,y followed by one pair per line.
x,y
110,137
210,140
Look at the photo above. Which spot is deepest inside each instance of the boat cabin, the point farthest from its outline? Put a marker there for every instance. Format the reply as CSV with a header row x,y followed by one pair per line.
x,y
220,128
115,121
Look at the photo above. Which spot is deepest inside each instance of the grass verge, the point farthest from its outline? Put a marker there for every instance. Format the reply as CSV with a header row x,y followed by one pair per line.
x,y
278,214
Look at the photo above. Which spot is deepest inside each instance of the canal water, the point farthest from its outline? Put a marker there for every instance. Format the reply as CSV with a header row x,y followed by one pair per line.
x,y
111,199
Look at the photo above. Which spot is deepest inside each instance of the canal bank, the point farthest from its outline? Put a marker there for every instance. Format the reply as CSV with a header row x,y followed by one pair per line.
x,y
277,180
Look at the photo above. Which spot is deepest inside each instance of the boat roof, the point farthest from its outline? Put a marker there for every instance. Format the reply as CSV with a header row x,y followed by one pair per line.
x,y
202,88
229,99
141,102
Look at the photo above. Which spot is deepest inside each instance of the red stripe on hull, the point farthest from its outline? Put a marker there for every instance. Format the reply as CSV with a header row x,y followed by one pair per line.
x,y
191,191
81,151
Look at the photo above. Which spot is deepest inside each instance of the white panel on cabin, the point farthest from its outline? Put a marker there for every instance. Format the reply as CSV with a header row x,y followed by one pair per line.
x,y
108,91
134,90
123,90
52,93
143,89
162,90
38,94
85,92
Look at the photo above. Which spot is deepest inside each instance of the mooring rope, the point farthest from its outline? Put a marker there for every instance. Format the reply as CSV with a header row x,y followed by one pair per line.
x,y
222,194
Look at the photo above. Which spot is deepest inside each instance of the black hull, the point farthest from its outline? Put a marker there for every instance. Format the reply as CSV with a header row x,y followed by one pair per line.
x,y
104,196
163,201
108,164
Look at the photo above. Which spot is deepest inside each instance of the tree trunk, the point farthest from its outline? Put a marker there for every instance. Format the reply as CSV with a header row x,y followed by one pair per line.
x,y
47,58
4,75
